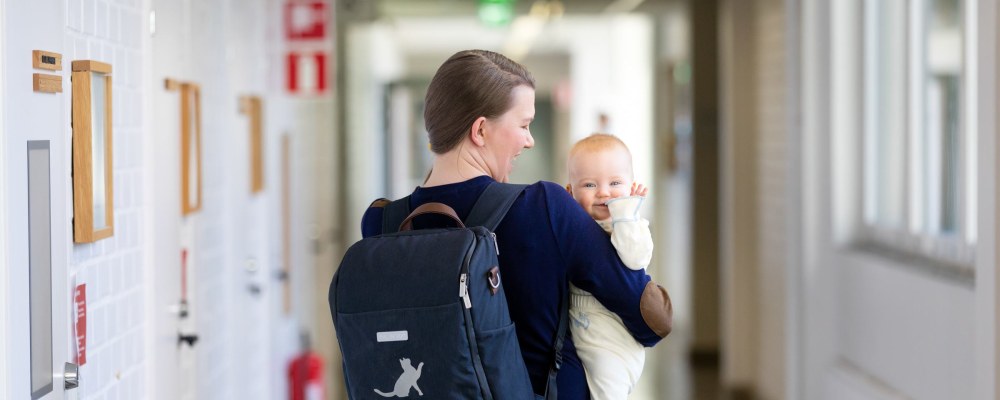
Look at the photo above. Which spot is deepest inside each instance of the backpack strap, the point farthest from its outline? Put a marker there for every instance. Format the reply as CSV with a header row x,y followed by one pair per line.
x,y
489,210
551,390
394,214
493,205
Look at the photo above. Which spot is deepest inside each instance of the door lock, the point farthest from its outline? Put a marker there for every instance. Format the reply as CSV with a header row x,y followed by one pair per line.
x,y
71,376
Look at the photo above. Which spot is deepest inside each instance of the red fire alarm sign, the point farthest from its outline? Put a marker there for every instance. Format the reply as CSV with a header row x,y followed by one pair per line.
x,y
306,20
306,72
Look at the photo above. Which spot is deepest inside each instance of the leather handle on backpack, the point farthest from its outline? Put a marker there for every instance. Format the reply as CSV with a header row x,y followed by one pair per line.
x,y
430,208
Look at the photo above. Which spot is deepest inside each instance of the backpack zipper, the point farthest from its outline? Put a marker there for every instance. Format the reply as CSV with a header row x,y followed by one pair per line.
x,y
495,244
463,290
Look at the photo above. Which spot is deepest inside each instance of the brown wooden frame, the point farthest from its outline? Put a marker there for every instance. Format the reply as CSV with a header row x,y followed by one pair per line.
x,y
252,107
190,92
190,134
83,168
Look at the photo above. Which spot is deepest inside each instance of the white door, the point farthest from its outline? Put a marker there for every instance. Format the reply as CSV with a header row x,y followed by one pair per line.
x,y
35,164
252,276
171,360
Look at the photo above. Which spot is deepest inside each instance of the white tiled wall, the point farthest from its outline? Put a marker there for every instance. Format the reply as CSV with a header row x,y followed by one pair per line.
x,y
217,375
231,48
109,31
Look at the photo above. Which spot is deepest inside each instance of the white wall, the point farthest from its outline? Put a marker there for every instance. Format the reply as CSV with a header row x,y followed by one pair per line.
x,y
163,31
611,71
739,195
856,324
230,48
755,191
3,214
31,116
112,268
773,172
374,60
873,325
987,315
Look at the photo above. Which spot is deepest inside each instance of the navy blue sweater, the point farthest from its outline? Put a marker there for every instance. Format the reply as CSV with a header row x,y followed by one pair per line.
x,y
546,241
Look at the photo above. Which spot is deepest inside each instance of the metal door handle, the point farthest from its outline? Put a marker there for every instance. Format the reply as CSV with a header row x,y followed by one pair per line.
x,y
71,376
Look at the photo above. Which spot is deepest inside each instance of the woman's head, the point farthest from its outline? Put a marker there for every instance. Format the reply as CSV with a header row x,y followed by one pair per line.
x,y
469,85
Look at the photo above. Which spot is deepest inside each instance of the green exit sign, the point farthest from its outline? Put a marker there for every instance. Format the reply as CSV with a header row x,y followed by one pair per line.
x,y
496,12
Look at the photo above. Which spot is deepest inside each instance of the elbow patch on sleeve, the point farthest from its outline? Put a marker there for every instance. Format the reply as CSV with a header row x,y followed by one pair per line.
x,y
656,309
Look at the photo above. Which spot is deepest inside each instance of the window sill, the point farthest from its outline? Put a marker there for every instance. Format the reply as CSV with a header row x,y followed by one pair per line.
x,y
876,253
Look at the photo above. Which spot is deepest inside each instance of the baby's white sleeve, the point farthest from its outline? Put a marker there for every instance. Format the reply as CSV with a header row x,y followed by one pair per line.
x,y
630,233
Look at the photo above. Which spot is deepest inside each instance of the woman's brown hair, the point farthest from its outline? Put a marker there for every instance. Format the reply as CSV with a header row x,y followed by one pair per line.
x,y
469,85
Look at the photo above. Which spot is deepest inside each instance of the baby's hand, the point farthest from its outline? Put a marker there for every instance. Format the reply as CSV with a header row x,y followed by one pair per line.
x,y
639,190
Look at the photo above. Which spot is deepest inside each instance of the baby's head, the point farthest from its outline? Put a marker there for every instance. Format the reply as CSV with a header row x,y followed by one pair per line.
x,y
600,169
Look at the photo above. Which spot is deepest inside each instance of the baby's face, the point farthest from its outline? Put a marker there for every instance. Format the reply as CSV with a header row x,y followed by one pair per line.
x,y
597,176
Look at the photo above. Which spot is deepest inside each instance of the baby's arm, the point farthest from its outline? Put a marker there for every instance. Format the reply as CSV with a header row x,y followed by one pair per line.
x,y
630,232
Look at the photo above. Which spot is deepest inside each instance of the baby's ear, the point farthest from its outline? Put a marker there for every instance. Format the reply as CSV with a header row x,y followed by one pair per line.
x,y
569,188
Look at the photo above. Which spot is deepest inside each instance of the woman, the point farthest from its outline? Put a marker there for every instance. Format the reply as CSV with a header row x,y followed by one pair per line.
x,y
478,109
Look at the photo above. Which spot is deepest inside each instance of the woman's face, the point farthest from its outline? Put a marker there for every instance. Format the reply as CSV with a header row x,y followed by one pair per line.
x,y
507,135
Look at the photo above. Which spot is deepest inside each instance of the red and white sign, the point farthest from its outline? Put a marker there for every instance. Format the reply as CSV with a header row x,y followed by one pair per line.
x,y
306,20
80,299
306,72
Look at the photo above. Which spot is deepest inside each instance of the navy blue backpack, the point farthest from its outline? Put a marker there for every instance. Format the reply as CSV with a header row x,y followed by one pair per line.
x,y
422,312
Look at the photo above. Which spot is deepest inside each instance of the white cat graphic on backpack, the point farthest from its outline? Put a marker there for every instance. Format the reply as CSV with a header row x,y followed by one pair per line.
x,y
407,380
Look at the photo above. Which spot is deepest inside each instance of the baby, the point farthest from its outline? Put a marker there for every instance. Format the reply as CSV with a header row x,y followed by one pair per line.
x,y
601,180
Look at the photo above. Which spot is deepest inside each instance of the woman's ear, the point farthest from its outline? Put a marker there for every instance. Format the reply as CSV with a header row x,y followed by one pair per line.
x,y
477,133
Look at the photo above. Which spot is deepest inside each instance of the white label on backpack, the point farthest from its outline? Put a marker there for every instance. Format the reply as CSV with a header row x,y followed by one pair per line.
x,y
392,336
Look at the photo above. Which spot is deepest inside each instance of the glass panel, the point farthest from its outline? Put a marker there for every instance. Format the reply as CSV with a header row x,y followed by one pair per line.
x,y
98,103
40,267
193,151
885,106
942,86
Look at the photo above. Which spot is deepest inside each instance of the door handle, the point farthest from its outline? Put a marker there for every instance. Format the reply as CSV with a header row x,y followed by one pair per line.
x,y
190,339
71,376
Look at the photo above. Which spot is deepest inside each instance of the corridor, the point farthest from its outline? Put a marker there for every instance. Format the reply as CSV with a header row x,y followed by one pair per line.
x,y
180,180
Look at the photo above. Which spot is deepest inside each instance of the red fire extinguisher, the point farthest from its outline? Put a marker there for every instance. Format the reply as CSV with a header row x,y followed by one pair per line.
x,y
305,374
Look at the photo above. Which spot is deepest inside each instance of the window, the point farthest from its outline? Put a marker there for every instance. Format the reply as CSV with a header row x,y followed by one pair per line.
x,y
919,182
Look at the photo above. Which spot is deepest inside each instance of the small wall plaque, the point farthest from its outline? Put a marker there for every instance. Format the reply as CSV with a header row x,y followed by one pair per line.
x,y
41,59
47,83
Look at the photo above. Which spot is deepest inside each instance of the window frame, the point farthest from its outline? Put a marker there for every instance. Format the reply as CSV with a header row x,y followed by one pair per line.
x,y
84,230
957,251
